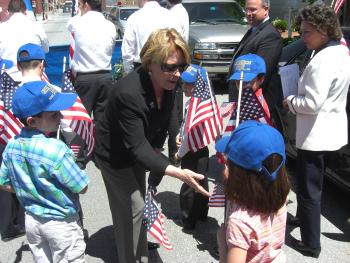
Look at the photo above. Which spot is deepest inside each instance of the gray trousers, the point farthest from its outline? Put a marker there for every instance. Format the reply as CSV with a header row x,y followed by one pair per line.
x,y
126,191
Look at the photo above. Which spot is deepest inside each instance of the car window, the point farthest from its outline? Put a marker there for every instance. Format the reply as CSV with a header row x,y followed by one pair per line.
x,y
215,12
125,13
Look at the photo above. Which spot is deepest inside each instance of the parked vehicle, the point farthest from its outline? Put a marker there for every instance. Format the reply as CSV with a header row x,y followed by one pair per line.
x,y
119,15
216,28
67,7
338,165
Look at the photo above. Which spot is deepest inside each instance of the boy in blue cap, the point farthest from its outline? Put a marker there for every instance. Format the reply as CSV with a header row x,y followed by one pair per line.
x,y
43,174
31,62
194,206
256,189
254,70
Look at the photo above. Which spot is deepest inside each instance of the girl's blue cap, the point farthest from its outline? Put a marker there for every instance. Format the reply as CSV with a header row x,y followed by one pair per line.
x,y
250,144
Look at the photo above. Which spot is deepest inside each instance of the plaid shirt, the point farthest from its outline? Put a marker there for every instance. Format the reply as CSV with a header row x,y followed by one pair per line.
x,y
44,175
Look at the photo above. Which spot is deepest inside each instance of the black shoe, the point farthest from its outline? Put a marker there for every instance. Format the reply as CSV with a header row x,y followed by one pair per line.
x,y
293,220
9,236
305,250
152,245
188,227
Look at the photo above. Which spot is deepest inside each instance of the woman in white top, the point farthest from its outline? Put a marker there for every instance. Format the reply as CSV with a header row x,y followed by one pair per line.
x,y
321,115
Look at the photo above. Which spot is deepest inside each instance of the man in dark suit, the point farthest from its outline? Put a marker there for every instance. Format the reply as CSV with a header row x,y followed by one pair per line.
x,y
264,40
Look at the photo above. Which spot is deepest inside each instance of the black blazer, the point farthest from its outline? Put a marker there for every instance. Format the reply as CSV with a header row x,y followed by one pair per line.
x,y
132,125
266,42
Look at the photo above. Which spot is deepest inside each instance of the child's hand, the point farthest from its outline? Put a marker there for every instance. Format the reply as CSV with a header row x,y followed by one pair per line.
x,y
178,141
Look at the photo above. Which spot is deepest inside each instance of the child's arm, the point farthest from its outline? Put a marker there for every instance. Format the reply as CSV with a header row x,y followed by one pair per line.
x,y
5,182
236,255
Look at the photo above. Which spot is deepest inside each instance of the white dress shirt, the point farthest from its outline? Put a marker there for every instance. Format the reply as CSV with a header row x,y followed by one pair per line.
x,y
139,27
322,123
181,15
94,42
16,32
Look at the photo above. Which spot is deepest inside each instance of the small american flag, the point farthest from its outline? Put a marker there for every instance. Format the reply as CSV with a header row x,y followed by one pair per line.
x,y
10,126
77,117
338,4
8,89
253,107
153,220
217,199
204,121
227,108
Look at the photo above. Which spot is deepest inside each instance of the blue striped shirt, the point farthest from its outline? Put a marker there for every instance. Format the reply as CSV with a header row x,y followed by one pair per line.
x,y
44,175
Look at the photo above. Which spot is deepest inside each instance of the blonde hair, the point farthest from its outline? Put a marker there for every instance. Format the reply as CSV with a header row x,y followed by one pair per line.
x,y
160,45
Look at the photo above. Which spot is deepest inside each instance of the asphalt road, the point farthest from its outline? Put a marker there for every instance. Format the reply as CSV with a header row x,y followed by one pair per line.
x,y
200,245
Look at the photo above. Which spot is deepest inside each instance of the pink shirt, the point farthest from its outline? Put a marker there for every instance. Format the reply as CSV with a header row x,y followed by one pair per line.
x,y
262,235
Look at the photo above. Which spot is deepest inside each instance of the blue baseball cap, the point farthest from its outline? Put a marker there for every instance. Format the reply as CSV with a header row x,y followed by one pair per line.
x,y
8,63
250,64
33,52
190,74
250,144
35,97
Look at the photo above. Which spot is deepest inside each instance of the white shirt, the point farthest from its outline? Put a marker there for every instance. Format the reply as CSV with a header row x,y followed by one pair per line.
x,y
181,15
139,27
94,42
16,32
322,123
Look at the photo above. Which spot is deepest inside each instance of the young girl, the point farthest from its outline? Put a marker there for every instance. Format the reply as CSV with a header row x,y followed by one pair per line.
x,y
256,190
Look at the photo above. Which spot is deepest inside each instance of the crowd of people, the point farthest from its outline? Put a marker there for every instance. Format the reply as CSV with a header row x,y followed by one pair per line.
x,y
134,115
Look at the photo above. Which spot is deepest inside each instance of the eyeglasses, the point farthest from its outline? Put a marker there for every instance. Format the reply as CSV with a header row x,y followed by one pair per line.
x,y
173,67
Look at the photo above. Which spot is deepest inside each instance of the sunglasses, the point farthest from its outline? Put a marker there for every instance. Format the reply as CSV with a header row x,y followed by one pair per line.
x,y
173,67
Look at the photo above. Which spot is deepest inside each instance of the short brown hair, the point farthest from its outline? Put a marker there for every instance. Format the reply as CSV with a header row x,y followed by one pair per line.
x,y
16,6
95,5
160,45
255,191
323,18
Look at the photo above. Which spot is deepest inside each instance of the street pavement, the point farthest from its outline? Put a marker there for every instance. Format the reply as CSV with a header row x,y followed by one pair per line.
x,y
200,245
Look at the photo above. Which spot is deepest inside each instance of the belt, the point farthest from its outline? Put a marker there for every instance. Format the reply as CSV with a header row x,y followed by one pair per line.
x,y
94,72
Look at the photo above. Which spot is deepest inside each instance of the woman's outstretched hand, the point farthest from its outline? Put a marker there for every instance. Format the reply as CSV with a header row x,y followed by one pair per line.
x,y
189,177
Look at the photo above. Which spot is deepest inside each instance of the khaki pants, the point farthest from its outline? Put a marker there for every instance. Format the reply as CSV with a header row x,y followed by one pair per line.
x,y
55,240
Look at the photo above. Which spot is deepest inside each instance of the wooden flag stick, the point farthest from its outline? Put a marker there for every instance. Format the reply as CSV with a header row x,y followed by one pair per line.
x,y
239,98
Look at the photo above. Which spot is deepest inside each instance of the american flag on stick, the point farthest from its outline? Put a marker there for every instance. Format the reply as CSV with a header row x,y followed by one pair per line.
x,y
204,121
217,199
253,107
338,4
10,126
153,220
77,117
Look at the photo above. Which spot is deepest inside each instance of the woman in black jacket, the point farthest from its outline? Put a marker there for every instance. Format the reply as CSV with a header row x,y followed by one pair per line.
x,y
131,133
